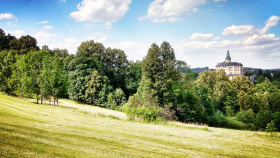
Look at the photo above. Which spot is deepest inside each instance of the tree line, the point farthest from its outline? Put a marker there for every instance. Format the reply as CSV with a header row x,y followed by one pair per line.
x,y
158,88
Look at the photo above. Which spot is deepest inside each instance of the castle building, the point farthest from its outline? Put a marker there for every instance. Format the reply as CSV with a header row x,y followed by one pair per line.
x,y
232,69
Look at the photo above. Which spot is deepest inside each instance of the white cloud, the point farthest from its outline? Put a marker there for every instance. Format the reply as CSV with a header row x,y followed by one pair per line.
x,y
170,10
203,37
240,30
42,22
16,33
258,50
48,27
261,39
271,22
62,1
7,16
69,43
102,39
248,30
44,38
101,10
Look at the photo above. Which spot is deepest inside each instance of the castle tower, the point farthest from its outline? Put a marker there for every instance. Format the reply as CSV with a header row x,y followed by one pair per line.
x,y
228,58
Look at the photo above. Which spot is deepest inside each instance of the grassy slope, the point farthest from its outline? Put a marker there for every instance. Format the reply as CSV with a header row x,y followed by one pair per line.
x,y
75,130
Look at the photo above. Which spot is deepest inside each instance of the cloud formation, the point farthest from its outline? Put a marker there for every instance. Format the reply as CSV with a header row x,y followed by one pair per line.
x,y
203,37
16,33
170,10
253,46
47,27
101,10
250,29
7,16
240,30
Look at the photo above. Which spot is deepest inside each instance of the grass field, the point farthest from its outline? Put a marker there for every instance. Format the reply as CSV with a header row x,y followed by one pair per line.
x,y
77,130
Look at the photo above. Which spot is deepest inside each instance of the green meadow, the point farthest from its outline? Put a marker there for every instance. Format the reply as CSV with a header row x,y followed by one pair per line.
x,y
77,130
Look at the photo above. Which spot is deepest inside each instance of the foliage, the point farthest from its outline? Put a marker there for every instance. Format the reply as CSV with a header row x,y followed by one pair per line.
x,y
159,87
119,97
159,73
247,116
53,78
262,119
7,66
133,77
29,68
275,117
260,79
271,127
111,103
5,40
249,73
266,86
144,110
210,78
24,44
97,89
80,67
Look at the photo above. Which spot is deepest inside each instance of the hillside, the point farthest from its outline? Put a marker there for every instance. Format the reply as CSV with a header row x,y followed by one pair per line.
x,y
76,130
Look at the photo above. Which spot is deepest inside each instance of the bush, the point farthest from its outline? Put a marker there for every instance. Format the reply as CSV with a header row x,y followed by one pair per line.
x,y
276,119
111,103
247,116
262,119
138,109
119,97
271,127
218,120
232,122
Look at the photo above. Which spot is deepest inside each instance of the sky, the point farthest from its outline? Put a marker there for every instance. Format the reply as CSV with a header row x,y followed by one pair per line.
x,y
200,31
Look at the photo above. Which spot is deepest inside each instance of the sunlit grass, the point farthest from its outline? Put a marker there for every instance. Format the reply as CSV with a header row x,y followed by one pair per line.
x,y
77,130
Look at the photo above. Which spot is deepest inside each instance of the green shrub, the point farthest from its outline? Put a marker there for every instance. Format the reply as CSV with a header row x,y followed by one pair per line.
x,y
276,119
247,116
138,109
119,97
111,103
271,127
262,119
218,120
232,122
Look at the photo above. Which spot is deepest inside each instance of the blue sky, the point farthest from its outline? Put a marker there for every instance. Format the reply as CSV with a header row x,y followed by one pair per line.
x,y
200,31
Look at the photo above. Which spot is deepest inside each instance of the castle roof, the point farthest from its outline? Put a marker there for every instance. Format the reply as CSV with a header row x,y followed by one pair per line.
x,y
229,64
228,56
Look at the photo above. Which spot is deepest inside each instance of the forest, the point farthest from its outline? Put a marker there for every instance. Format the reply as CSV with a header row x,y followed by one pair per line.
x,y
157,89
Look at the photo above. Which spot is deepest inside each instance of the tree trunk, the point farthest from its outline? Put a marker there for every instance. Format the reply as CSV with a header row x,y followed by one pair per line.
x,y
57,101
53,101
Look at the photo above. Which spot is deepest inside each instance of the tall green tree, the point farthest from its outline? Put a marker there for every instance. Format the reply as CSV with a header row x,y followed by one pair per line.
x,y
5,40
133,77
53,79
115,64
29,68
159,72
79,68
7,66
24,44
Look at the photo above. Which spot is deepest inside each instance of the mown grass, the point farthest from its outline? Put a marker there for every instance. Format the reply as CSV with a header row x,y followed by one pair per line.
x,y
76,130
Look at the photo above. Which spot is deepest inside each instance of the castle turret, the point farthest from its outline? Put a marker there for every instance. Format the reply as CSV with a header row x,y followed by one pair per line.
x,y
228,58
